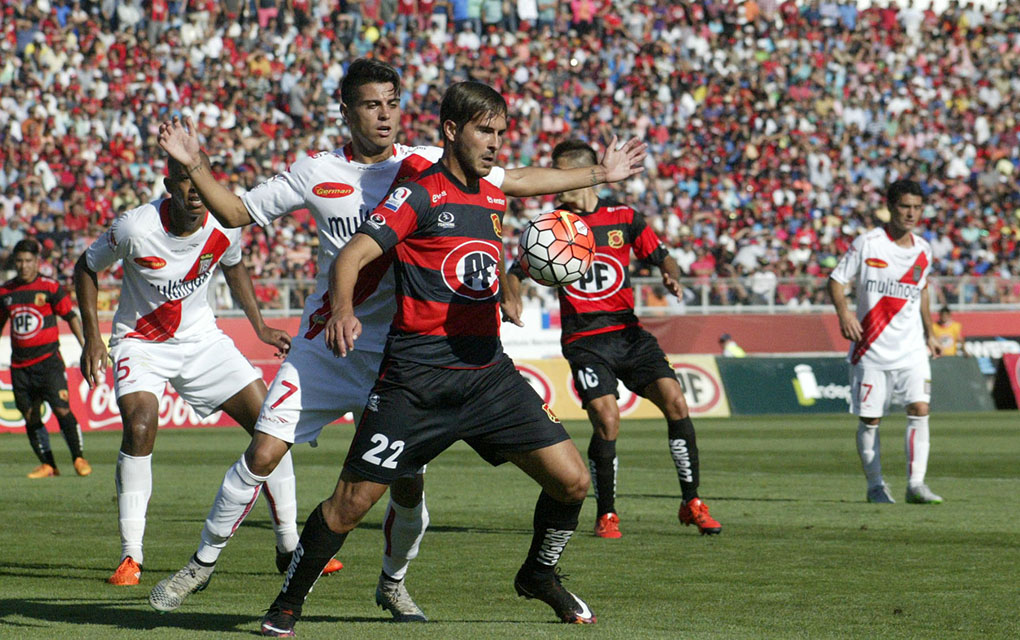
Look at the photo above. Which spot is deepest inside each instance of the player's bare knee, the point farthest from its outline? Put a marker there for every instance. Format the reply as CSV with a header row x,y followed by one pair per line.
x,y
917,409
262,460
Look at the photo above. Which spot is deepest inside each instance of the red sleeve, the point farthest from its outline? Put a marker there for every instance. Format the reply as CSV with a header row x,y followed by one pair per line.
x,y
647,245
61,302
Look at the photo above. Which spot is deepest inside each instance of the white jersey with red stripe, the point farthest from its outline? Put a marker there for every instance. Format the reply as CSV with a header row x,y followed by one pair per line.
x,y
340,193
888,280
164,291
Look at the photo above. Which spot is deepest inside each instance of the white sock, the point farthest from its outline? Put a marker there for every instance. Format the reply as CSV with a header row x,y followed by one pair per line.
x,y
403,530
868,450
281,494
134,487
237,495
917,446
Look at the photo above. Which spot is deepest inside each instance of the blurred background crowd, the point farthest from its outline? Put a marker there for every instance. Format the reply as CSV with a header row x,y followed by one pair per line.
x,y
773,127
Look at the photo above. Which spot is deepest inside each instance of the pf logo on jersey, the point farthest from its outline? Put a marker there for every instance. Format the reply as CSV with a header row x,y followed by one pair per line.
x,y
605,277
470,270
26,322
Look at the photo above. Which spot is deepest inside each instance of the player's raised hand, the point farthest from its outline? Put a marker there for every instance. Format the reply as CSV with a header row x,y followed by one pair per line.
x,y
93,362
628,160
277,338
180,139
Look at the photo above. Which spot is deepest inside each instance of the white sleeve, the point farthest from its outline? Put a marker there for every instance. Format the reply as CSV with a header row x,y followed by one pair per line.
x,y
113,245
496,177
850,264
233,253
281,194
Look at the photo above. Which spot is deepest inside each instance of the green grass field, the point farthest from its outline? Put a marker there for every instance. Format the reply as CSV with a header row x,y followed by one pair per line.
x,y
801,554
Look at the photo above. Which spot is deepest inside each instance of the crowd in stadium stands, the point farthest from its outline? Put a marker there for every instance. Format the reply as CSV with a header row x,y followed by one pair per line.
x,y
773,126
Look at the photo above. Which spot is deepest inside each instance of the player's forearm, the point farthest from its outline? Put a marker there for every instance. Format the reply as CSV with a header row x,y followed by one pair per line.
x,y
75,325
838,295
221,202
537,181
344,270
86,287
670,268
243,291
926,313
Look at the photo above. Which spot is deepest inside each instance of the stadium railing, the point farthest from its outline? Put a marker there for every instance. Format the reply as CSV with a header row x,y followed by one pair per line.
x,y
285,297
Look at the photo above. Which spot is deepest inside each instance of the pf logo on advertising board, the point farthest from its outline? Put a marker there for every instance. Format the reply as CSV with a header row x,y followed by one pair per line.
x,y
701,388
605,277
26,322
470,270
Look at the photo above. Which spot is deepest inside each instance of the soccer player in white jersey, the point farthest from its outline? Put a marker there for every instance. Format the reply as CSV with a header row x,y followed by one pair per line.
x,y
891,337
164,331
314,388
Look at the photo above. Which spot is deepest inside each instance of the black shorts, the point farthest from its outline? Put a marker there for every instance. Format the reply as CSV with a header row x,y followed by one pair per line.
x,y
415,412
631,355
44,381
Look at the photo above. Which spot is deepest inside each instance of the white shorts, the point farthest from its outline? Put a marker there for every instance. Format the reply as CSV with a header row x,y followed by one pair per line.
x,y
873,390
314,388
206,373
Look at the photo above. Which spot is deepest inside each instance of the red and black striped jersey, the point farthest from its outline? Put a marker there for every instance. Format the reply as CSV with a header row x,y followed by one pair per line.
x,y
603,300
32,308
448,242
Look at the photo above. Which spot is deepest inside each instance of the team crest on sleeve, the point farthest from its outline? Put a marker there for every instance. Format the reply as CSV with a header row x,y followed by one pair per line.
x,y
616,239
497,226
397,198
469,270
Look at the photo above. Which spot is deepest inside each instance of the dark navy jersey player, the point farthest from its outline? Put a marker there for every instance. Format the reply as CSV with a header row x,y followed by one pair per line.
x,y
444,376
604,342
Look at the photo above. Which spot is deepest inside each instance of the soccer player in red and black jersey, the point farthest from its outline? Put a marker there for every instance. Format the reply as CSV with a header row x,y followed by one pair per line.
x,y
603,342
444,375
32,303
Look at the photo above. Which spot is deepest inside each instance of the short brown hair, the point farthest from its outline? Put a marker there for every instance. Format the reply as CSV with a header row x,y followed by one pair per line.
x,y
465,101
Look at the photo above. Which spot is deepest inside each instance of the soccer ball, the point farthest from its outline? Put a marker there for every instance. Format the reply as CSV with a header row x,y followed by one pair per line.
x,y
557,247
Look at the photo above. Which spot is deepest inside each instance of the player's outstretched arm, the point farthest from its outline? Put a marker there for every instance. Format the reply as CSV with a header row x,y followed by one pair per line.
x,y
343,328
239,281
93,352
180,140
617,164
849,326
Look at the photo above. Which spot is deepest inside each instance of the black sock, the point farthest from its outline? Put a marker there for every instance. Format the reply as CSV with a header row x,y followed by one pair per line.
x,y
555,522
72,435
315,548
684,449
602,464
40,441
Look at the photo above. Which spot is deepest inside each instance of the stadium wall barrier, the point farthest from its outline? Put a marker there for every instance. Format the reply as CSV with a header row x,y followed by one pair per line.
x,y
96,409
797,333
822,385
